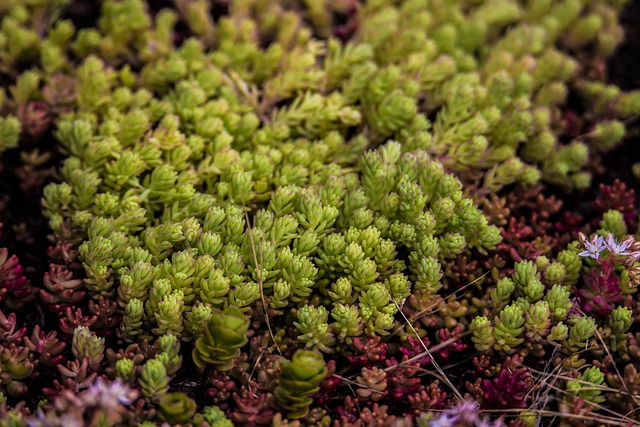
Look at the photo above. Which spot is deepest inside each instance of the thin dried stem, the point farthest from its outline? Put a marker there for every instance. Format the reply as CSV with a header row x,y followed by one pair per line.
x,y
433,360
260,279
416,316
624,384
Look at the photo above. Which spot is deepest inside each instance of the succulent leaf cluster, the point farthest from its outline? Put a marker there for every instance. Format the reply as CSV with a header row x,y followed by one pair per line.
x,y
223,338
542,311
299,379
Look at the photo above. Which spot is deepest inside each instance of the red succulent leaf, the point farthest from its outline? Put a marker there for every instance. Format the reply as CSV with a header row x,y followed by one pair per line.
x,y
601,289
35,119
372,352
416,347
508,390
615,196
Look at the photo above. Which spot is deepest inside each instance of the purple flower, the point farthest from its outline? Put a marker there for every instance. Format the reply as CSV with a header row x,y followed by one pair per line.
x,y
467,410
110,395
445,420
592,247
464,414
618,248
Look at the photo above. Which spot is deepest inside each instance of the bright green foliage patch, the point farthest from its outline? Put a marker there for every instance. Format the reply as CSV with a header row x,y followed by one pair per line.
x,y
224,173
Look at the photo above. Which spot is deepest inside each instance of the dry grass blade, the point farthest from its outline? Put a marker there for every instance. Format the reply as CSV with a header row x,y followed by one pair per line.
x,y
260,279
542,399
602,419
587,383
624,384
617,417
357,384
432,374
435,348
253,369
550,386
416,316
427,352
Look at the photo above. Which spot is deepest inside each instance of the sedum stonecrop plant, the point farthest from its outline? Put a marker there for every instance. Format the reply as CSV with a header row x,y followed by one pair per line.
x,y
564,302
163,189
171,262
494,74
298,380
259,191
224,336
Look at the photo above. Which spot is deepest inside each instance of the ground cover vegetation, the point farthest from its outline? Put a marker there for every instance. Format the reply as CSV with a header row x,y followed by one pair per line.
x,y
322,213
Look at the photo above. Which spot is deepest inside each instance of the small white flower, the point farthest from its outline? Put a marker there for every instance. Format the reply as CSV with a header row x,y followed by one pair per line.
x,y
592,247
109,395
444,420
618,248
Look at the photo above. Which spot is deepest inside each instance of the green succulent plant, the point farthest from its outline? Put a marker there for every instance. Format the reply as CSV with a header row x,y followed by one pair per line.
x,y
261,165
177,408
87,345
164,159
154,380
216,417
299,379
587,385
224,335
